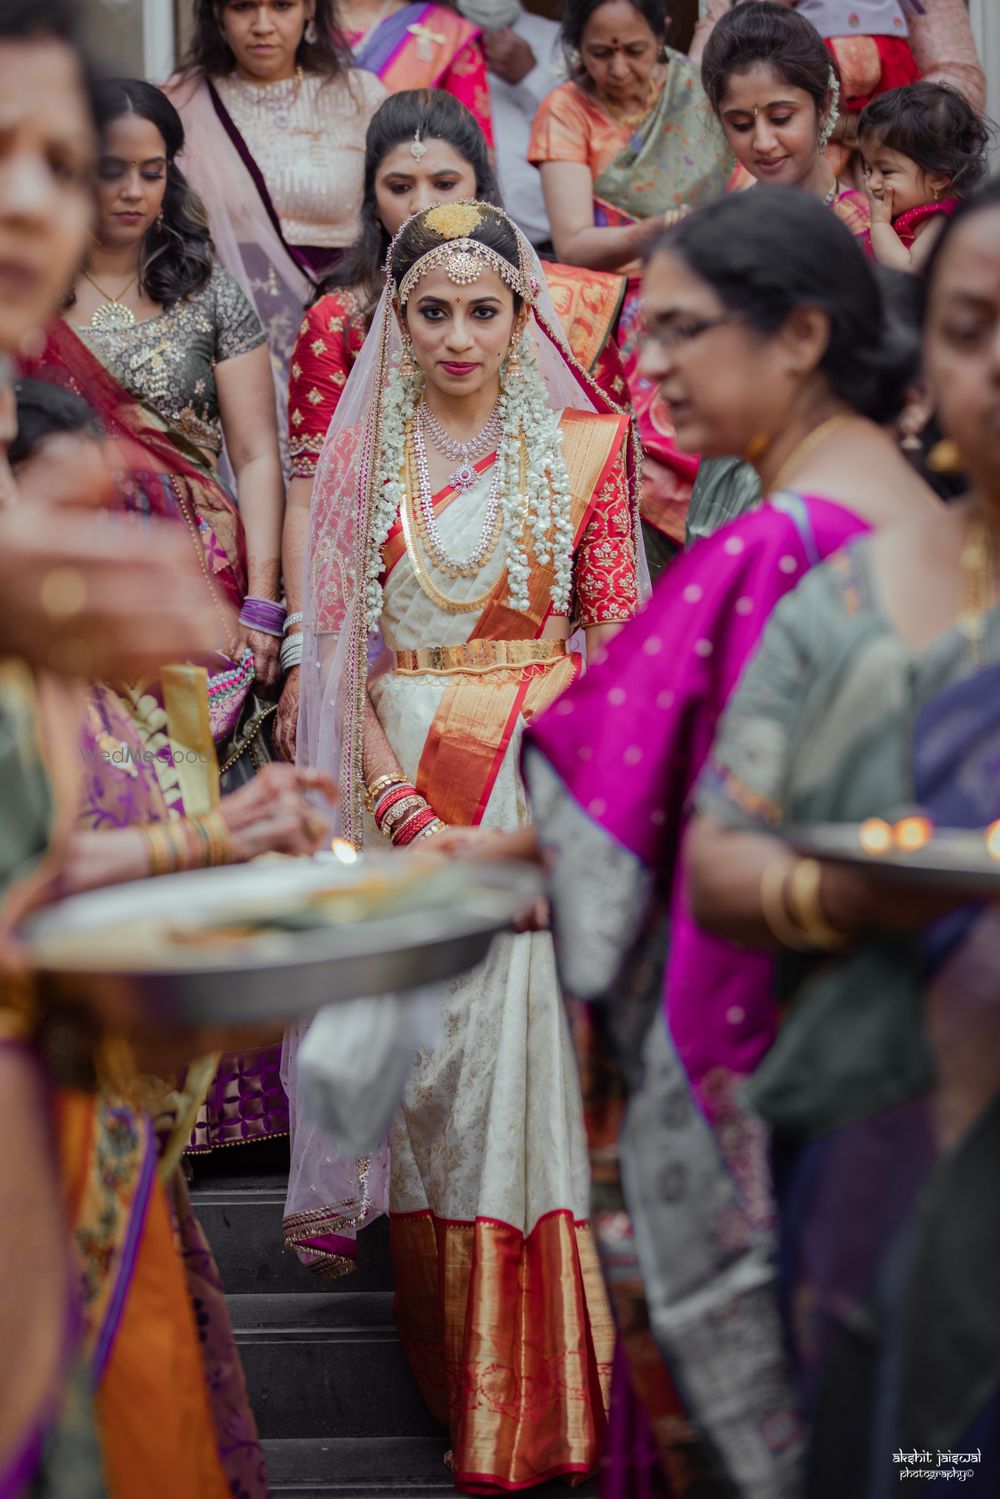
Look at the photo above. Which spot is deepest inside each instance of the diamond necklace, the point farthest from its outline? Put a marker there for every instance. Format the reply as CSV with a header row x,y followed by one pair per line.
x,y
464,454
427,524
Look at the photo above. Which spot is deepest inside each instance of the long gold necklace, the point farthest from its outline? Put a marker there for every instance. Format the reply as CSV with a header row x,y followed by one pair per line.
x,y
114,313
426,585
811,440
978,585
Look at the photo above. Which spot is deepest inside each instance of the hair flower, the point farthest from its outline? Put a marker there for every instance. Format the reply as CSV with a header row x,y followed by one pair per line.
x,y
453,220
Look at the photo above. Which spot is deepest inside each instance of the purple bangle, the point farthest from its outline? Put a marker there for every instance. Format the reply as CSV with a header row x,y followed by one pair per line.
x,y
263,615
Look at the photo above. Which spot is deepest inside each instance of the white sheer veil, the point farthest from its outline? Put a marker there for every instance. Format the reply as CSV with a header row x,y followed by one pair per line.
x,y
338,653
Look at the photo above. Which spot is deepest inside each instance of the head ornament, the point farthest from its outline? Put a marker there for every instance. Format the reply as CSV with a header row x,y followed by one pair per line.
x,y
462,258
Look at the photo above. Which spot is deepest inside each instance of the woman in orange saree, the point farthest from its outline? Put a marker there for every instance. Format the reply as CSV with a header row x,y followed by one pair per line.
x,y
475,496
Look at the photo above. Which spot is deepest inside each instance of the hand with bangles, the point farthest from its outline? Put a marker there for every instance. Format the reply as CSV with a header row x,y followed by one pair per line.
x,y
276,812
265,654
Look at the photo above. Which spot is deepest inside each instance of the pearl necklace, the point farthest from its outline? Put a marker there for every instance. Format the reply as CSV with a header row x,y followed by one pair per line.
x,y
427,521
462,453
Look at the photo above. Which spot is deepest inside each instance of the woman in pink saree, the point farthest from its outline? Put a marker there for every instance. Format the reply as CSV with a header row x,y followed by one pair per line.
x,y
273,116
756,352
421,45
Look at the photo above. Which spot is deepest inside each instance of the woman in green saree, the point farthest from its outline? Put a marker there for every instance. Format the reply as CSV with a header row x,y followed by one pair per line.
x,y
875,694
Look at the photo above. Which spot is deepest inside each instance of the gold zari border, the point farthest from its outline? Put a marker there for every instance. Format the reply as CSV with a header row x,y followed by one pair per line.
x,y
478,656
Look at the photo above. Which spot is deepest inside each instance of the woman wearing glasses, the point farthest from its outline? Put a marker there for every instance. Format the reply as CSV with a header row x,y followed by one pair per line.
x,y
758,351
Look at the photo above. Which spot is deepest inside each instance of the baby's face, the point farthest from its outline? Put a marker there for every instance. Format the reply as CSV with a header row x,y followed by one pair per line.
x,y
891,174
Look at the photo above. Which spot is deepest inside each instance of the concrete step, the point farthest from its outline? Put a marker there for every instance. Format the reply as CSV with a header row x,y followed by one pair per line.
x,y
336,1468
241,1216
322,1365
350,1469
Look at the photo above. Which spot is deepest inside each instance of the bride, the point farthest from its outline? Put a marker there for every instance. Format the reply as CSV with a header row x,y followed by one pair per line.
x,y
474,504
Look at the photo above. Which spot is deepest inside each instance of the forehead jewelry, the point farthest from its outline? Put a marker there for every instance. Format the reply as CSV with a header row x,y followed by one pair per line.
x,y
418,149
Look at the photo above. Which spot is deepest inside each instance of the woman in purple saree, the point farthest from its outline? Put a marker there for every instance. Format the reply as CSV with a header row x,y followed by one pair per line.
x,y
755,341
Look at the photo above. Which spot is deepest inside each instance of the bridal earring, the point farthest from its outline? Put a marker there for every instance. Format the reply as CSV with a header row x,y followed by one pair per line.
x,y
310,35
513,369
407,363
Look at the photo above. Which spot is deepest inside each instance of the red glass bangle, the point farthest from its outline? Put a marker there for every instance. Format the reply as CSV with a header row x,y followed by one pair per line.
x,y
412,826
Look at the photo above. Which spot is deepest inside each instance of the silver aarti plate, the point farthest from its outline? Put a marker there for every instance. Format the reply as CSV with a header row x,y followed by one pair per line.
x,y
954,859
144,953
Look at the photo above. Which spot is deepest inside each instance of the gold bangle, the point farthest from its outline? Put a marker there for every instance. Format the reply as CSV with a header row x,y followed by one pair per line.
x,y
180,850
774,910
157,853
805,906
382,784
213,830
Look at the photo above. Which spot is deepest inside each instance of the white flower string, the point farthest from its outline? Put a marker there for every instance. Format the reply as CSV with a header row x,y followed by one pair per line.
x,y
402,393
832,114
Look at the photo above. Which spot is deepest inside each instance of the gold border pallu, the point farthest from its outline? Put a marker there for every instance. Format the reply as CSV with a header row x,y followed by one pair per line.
x,y
511,1341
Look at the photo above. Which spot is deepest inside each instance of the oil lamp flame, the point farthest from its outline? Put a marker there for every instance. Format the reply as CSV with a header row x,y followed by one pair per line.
x,y
875,836
993,840
913,833
344,851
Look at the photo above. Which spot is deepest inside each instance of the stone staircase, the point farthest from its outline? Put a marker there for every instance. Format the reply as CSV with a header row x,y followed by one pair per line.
x,y
338,1410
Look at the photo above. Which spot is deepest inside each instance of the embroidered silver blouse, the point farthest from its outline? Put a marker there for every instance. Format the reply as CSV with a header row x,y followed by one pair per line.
x,y
170,359
308,141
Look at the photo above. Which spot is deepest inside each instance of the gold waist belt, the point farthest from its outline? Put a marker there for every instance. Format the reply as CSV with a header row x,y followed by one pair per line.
x,y
479,656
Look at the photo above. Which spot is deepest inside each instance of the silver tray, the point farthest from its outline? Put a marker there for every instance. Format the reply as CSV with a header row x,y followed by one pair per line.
x,y
319,966
953,858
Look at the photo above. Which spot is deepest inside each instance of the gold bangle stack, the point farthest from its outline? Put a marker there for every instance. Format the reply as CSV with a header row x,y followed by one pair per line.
x,y
775,912
791,907
166,847
803,899
213,831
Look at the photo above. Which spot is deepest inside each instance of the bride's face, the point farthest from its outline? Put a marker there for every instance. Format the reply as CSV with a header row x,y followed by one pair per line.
x,y
461,334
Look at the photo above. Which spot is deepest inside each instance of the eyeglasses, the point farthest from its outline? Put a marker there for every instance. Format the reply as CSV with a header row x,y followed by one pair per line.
x,y
678,335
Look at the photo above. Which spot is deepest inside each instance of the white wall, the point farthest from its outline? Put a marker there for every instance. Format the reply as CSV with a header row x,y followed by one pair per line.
x,y
985,16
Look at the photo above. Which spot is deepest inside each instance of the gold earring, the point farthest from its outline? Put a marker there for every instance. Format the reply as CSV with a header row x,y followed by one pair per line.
x,y
944,457
756,447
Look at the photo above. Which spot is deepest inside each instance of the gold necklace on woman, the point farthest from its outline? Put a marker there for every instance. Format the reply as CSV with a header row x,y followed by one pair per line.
x,y
811,440
978,585
638,117
114,313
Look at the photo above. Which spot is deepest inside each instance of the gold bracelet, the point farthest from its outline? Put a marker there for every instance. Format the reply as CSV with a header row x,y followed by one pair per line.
x,y
157,851
382,784
805,906
775,912
213,830
179,847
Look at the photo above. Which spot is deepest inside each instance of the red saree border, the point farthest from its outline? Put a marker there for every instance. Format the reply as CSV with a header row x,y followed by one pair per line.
x,y
522,1410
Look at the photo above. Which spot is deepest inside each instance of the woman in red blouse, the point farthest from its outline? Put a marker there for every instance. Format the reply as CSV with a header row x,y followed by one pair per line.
x,y
423,147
